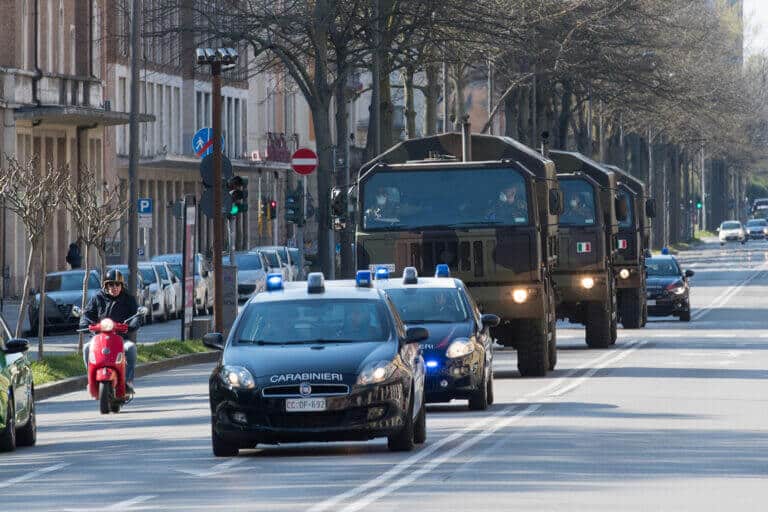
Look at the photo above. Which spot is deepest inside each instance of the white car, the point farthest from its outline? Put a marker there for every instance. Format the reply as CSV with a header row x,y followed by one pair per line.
x,y
731,231
289,258
171,287
274,263
251,274
203,279
160,306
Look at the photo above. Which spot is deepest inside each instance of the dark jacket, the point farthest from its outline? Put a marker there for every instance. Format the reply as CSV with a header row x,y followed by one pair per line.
x,y
73,256
103,305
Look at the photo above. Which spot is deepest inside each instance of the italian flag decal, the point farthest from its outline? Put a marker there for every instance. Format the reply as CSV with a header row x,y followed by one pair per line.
x,y
582,247
622,244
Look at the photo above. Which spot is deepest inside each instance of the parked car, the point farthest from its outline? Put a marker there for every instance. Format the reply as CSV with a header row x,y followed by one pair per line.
x,y
160,304
274,263
62,291
18,426
203,279
251,274
171,287
289,257
143,294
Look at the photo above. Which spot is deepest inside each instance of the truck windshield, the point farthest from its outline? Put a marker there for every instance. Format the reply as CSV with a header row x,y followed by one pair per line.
x,y
450,198
579,203
629,221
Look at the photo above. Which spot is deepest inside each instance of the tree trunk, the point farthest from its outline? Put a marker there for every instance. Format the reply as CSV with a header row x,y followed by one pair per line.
x,y
322,125
410,103
41,310
565,116
25,291
432,91
511,115
342,137
386,111
458,96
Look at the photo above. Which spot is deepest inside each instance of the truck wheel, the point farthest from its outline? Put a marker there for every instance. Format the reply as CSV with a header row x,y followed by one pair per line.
x,y
533,348
631,309
598,324
553,350
504,334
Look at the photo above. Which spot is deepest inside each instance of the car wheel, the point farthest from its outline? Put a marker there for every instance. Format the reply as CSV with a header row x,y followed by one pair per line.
x,y
478,401
685,316
420,430
27,435
166,316
8,436
403,440
221,448
490,388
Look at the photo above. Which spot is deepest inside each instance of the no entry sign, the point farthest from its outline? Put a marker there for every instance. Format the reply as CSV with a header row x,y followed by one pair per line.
x,y
304,161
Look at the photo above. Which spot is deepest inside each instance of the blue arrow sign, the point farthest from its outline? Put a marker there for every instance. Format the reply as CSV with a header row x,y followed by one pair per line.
x,y
202,142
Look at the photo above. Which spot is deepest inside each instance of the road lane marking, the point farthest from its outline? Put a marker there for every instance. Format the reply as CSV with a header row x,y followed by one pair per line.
x,y
215,470
33,474
502,417
129,504
729,293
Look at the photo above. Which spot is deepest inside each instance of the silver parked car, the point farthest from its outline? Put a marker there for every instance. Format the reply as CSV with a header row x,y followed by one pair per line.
x,y
172,288
251,274
160,306
203,279
289,258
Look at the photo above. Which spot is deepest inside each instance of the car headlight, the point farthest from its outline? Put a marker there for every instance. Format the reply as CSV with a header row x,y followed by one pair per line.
x,y
459,347
237,377
587,282
624,273
375,372
520,295
765,231
676,288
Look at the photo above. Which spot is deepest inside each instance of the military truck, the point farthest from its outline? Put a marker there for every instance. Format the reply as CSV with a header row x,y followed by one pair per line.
x,y
487,207
633,242
588,237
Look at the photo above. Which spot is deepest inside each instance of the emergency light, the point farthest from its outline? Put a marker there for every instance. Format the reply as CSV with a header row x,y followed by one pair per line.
x,y
410,276
382,273
363,278
274,282
442,270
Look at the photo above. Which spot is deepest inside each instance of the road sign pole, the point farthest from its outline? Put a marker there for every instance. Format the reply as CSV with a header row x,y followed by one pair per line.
x,y
218,220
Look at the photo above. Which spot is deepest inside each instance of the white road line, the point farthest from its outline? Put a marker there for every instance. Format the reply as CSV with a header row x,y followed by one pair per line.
x,y
33,474
215,470
502,422
501,416
129,504
730,292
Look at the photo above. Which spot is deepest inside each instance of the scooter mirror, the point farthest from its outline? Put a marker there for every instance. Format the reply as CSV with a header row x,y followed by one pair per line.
x,y
143,310
77,312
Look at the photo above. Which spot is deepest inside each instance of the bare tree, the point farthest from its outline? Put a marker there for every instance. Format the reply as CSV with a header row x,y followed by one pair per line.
x,y
33,193
95,209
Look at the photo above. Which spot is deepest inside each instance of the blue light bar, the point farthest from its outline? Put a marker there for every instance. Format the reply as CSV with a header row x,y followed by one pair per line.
x,y
431,364
274,282
442,270
382,273
363,278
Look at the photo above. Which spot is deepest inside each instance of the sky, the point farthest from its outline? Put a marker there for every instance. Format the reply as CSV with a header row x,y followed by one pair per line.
x,y
755,26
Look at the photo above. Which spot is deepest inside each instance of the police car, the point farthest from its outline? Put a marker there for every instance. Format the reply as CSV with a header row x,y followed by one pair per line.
x,y
459,350
310,362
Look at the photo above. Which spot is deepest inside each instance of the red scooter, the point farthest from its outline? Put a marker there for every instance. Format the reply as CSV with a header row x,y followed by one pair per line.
x,y
106,363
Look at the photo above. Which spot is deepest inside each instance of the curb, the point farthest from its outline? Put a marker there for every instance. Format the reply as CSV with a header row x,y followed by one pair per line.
x,y
73,384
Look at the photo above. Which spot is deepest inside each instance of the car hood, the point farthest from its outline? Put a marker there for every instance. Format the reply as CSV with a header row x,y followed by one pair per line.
x,y
757,228
730,231
293,364
662,281
441,335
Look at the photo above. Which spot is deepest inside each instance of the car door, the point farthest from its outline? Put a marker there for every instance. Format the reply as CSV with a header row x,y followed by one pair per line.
x,y
19,375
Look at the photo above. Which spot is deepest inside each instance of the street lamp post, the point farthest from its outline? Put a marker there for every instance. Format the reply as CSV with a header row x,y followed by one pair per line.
x,y
220,59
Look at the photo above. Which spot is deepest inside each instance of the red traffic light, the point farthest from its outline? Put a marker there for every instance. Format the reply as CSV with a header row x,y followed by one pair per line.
x,y
273,204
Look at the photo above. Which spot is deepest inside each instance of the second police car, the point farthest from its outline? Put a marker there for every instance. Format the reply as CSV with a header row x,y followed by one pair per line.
x,y
310,362
459,350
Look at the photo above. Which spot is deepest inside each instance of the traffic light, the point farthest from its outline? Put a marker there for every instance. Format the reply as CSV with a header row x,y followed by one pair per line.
x,y
238,193
294,205
272,208
698,205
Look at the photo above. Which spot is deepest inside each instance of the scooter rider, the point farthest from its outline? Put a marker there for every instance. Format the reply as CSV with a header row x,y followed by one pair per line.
x,y
114,302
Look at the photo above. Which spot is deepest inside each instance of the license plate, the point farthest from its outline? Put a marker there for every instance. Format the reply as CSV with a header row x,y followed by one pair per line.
x,y
305,404
651,302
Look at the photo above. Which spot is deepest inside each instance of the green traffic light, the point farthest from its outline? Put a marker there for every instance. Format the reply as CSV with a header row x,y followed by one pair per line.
x,y
234,210
698,205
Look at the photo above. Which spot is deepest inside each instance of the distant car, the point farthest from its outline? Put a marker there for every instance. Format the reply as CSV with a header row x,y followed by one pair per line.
x,y
731,231
18,425
171,287
668,288
274,263
251,274
160,304
203,279
62,291
143,295
289,258
757,229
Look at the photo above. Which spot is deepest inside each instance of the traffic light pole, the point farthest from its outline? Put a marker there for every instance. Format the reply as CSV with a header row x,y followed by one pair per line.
x,y
218,219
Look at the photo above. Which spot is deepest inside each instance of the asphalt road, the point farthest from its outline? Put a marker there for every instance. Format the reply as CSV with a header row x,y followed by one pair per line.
x,y
672,418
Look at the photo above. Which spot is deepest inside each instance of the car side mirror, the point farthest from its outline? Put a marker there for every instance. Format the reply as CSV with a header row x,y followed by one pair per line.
x,y
416,334
142,311
77,312
214,340
490,320
689,273
650,208
555,202
32,292
16,346
622,208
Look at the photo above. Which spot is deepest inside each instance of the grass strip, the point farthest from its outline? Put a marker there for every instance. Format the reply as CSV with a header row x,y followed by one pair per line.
x,y
54,368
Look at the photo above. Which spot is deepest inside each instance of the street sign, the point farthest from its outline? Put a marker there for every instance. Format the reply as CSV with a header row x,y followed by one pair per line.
x,y
206,169
145,212
202,142
304,161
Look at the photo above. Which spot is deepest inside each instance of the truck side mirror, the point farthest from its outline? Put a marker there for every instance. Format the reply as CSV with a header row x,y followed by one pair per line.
x,y
555,202
650,208
622,208
338,208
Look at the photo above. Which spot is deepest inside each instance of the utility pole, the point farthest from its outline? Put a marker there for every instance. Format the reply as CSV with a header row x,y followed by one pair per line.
x,y
218,219
703,191
445,97
376,90
133,157
490,95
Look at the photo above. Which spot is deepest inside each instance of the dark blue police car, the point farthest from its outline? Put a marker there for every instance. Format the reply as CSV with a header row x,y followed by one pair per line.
x,y
459,350
310,362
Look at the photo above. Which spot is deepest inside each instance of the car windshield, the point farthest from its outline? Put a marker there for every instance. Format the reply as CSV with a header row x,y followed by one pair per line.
x,y
730,225
148,275
659,267
429,305
176,269
411,200
69,282
314,321
579,208
756,223
161,270
245,261
271,258
629,221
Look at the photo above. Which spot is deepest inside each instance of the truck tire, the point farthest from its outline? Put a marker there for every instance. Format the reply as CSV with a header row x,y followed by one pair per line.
x,y
553,351
631,309
505,334
533,348
598,323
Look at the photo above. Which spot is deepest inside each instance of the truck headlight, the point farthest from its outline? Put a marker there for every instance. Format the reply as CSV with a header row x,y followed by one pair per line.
x,y
459,347
587,282
375,372
624,273
520,295
237,377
